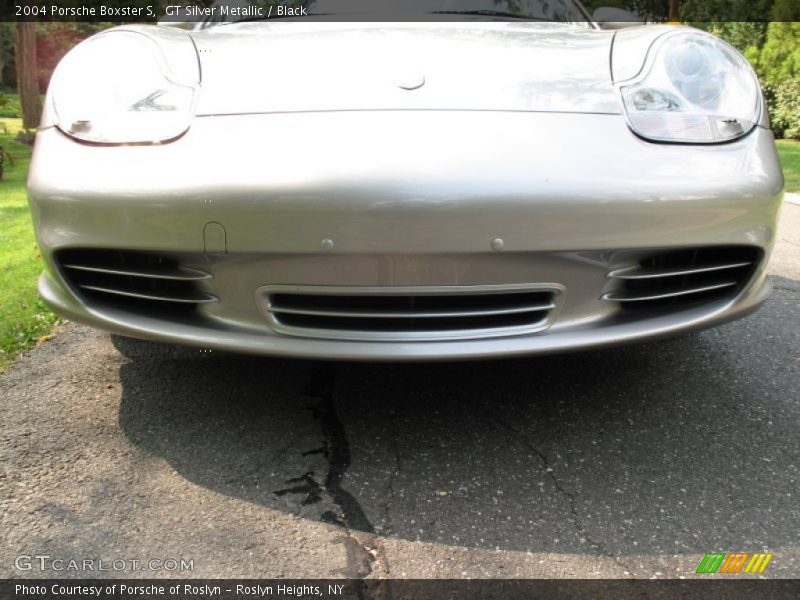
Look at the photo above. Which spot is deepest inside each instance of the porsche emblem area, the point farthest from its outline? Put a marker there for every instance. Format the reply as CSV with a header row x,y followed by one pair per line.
x,y
411,82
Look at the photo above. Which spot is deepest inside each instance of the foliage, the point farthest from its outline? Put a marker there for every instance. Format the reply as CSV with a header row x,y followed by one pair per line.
x,y
785,109
778,66
7,73
726,11
779,59
785,10
10,108
740,34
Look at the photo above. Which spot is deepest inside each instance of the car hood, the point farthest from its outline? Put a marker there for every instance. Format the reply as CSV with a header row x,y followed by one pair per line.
x,y
308,66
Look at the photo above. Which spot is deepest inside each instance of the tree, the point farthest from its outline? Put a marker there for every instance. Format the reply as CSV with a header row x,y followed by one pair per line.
x,y
6,49
778,66
27,75
674,11
785,10
726,11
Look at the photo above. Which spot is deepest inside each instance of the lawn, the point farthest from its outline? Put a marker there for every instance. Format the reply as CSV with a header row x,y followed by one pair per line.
x,y
9,105
789,151
23,317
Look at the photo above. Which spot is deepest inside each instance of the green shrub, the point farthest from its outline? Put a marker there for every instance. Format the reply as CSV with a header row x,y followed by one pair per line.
x,y
785,108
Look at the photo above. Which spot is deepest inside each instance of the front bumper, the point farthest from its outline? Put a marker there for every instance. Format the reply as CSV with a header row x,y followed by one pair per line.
x,y
403,200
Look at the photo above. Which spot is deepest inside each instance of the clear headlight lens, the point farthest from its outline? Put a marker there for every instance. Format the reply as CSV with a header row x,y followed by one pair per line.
x,y
116,88
698,90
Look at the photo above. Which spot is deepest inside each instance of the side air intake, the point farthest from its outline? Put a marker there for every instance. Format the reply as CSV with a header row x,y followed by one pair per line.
x,y
673,278
132,278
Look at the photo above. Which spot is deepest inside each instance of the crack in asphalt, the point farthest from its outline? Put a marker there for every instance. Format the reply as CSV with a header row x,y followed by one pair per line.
x,y
571,498
310,488
336,451
338,455
346,511
389,494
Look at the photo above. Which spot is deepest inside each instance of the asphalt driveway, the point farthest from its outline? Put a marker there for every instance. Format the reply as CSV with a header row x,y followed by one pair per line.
x,y
633,461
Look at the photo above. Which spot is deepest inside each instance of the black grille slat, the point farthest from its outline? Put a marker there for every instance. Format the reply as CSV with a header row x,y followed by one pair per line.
x,y
677,278
367,315
411,303
133,279
410,324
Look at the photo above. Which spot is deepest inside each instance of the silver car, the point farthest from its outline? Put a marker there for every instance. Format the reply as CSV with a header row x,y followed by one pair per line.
x,y
487,186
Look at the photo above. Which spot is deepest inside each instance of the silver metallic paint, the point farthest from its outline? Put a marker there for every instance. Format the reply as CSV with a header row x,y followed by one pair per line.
x,y
409,193
311,66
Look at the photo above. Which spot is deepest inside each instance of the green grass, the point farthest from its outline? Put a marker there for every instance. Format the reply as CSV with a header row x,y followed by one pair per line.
x,y
789,151
24,319
9,105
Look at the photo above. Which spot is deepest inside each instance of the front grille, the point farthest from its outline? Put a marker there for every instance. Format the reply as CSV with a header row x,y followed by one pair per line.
x,y
409,313
132,279
676,278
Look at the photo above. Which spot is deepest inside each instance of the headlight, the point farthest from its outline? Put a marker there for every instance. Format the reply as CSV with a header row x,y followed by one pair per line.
x,y
116,88
696,89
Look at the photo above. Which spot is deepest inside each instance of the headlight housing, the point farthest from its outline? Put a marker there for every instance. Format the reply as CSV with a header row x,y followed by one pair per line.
x,y
695,89
116,88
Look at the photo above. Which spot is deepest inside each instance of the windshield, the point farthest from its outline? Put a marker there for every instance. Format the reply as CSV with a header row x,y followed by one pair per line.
x,y
226,11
